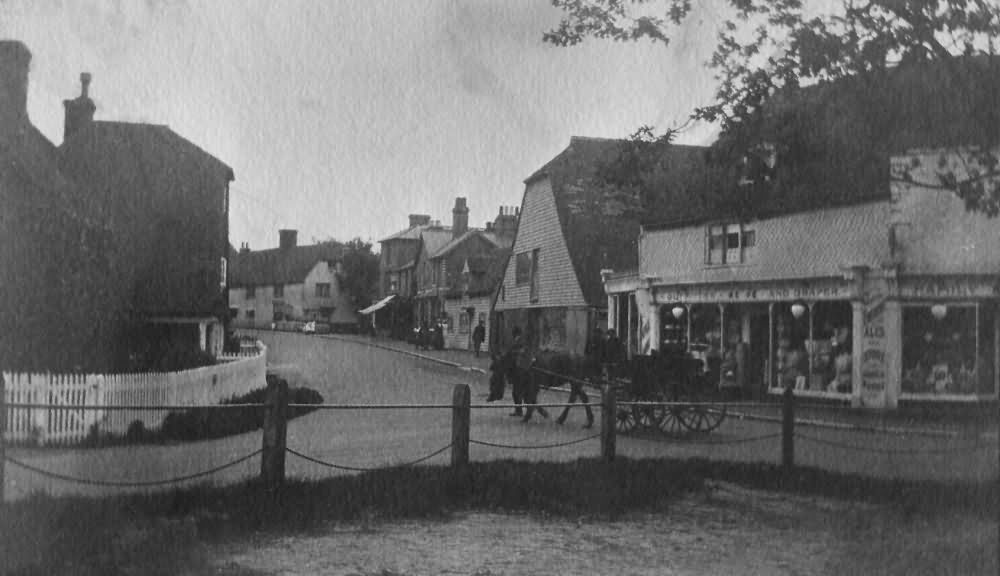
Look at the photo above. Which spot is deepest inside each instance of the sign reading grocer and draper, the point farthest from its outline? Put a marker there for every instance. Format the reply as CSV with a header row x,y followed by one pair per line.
x,y
768,293
909,288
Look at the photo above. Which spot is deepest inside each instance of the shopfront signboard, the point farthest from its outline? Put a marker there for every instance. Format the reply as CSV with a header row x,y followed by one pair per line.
x,y
777,292
949,288
873,361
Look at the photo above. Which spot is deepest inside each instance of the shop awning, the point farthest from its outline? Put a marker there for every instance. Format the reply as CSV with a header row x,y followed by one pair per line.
x,y
377,306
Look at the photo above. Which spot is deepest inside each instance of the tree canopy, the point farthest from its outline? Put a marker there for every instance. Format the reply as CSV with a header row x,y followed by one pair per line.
x,y
768,51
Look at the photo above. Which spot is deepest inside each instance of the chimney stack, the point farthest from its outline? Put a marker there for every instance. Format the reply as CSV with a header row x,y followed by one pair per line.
x,y
505,225
80,110
287,239
245,248
15,61
419,220
459,218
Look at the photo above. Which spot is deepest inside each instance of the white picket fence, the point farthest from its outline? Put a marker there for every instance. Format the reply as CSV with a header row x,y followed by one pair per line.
x,y
209,385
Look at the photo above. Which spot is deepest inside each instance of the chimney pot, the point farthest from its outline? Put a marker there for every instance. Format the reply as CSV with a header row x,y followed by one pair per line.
x,y
459,218
419,220
80,110
287,239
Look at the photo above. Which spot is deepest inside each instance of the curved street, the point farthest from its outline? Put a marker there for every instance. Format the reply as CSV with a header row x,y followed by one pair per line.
x,y
353,372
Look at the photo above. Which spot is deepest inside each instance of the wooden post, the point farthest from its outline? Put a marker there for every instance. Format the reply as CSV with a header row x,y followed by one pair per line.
x,y
272,458
461,416
3,433
788,430
609,409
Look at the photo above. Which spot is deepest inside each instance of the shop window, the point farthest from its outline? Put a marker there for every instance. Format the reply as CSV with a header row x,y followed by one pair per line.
x,y
706,338
949,349
728,243
812,347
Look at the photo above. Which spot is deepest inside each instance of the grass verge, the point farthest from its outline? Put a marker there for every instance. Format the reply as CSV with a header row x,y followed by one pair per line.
x,y
165,533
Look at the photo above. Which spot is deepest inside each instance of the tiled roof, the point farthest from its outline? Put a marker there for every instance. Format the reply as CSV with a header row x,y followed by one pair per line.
x,y
486,272
280,266
435,238
163,157
600,221
454,243
411,233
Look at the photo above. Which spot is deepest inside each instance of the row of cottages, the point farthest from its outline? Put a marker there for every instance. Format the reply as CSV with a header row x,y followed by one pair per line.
x,y
115,242
573,226
840,267
443,275
290,284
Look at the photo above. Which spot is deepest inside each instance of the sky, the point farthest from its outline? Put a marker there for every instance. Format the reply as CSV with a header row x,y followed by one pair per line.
x,y
340,118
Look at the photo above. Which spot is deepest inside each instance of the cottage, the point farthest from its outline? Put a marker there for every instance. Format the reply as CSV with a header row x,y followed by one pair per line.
x,y
290,283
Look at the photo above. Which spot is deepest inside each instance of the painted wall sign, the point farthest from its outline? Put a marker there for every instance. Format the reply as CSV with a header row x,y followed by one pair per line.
x,y
957,288
873,361
790,291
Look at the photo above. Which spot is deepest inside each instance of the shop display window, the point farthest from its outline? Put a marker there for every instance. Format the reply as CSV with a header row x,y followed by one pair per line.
x,y
812,347
706,338
949,349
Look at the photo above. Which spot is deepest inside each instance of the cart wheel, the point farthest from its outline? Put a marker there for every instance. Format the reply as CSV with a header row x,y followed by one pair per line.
x,y
647,416
703,419
672,422
624,420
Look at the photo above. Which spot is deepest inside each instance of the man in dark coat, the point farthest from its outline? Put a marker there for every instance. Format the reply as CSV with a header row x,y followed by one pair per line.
x,y
478,336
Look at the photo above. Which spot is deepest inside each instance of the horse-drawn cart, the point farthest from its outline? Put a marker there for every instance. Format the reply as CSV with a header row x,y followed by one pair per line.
x,y
671,392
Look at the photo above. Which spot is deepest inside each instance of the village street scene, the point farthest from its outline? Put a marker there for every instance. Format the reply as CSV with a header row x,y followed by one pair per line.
x,y
483,287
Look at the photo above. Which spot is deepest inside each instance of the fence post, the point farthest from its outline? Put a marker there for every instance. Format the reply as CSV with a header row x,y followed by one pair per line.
x,y
788,429
461,417
3,434
272,458
609,409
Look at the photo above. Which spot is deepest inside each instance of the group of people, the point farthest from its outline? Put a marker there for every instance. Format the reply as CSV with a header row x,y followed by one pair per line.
x,y
603,352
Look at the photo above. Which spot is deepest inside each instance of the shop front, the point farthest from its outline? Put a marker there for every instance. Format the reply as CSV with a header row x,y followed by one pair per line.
x,y
869,341
755,338
949,339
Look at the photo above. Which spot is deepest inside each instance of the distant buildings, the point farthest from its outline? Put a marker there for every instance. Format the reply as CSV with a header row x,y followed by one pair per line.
x,y
290,283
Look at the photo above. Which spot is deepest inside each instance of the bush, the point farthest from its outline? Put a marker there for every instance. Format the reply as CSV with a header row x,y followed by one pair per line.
x,y
205,423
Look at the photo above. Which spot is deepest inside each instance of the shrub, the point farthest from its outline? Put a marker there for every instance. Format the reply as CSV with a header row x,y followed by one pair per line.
x,y
205,423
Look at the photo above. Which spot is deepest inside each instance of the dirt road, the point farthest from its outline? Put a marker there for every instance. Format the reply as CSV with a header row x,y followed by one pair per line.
x,y
726,530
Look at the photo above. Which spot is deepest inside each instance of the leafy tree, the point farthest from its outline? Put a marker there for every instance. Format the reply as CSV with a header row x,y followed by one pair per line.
x,y
360,272
768,49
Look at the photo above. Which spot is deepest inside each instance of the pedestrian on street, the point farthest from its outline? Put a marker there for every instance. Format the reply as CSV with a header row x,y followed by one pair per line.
x,y
512,354
613,354
529,382
478,336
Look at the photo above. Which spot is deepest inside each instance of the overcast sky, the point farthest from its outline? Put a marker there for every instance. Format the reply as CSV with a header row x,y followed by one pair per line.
x,y
340,118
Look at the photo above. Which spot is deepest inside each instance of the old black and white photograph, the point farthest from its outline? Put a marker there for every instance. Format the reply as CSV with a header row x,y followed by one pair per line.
x,y
499,287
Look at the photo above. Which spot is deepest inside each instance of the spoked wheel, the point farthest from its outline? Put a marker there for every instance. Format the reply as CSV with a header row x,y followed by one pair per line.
x,y
647,416
672,421
625,420
703,419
